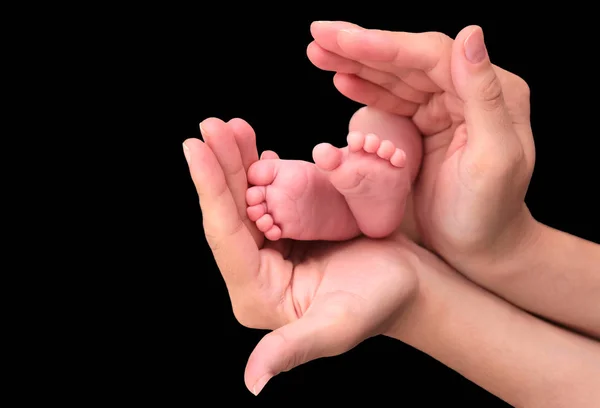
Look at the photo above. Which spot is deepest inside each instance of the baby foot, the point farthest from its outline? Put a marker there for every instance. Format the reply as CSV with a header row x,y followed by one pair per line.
x,y
294,199
370,173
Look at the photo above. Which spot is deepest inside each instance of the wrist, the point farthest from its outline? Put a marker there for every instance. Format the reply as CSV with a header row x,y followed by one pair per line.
x,y
424,309
509,250
542,270
430,308
493,343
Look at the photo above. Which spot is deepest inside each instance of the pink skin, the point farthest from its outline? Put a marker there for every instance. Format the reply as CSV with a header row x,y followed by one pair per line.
x,y
361,188
293,198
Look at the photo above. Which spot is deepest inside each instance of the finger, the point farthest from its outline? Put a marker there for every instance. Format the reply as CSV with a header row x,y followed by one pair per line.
x,y
246,141
233,247
245,138
517,95
269,155
367,93
426,52
308,338
325,35
393,84
329,61
487,119
220,137
421,60
434,116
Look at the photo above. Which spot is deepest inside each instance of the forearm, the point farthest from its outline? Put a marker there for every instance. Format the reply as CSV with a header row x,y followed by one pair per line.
x,y
551,274
519,358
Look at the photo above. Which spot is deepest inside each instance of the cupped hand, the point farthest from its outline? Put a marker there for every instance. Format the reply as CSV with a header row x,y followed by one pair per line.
x,y
321,299
474,116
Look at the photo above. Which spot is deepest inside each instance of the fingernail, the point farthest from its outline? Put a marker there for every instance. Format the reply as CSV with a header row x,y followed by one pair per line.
x,y
201,130
324,22
351,30
475,46
186,153
260,384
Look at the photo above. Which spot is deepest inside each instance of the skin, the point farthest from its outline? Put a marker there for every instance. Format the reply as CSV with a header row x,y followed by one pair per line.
x,y
418,70
297,289
478,159
312,293
358,189
323,299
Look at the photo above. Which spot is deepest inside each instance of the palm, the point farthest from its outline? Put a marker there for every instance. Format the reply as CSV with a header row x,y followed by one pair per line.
x,y
321,299
450,202
331,295
410,75
331,280
438,187
272,284
443,195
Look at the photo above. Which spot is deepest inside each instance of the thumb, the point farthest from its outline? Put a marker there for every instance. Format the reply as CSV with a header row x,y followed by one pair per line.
x,y
480,89
313,336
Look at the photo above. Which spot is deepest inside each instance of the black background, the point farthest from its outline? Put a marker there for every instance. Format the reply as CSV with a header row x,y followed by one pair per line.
x,y
191,65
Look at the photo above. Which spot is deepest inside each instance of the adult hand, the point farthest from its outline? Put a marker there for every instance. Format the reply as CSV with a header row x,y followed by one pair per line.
x,y
320,299
478,160
478,146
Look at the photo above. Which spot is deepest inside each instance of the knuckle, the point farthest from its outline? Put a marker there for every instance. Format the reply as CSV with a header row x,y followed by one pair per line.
x,y
490,91
515,81
520,89
439,39
442,45
213,243
491,167
515,163
216,233
381,100
523,87
389,85
517,87
280,346
211,238
510,165
288,354
524,95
